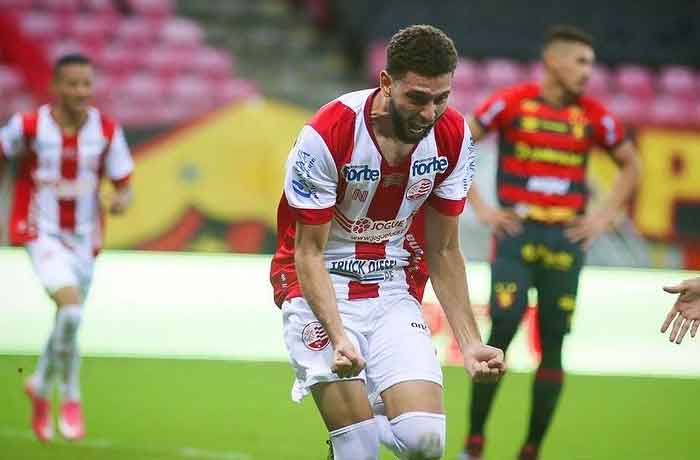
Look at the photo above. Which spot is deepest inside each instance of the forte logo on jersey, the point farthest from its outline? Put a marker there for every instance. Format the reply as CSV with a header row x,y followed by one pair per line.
x,y
360,173
434,165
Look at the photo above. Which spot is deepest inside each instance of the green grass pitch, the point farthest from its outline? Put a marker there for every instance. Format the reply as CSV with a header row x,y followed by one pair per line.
x,y
158,409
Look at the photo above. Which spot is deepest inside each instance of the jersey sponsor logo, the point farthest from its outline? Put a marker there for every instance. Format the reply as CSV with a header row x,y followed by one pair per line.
x,y
360,173
366,271
434,165
548,185
419,190
366,230
67,189
524,151
314,336
303,184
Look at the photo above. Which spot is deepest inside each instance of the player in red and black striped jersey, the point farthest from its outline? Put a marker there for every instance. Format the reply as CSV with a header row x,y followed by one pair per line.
x,y
546,131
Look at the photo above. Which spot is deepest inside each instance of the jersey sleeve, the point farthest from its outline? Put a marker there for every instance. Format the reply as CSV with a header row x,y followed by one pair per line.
x,y
450,196
490,113
118,162
608,132
311,179
12,141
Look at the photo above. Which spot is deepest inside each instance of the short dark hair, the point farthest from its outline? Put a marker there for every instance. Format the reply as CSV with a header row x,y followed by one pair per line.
x,y
69,59
567,33
423,49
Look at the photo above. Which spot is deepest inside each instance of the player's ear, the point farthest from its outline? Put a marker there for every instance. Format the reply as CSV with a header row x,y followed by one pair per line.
x,y
385,82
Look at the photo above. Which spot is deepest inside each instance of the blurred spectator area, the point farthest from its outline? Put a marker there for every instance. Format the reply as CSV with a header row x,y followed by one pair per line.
x,y
666,96
154,67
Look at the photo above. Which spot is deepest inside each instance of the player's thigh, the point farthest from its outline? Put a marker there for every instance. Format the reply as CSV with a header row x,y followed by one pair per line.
x,y
309,347
400,347
413,396
511,279
342,403
53,264
557,291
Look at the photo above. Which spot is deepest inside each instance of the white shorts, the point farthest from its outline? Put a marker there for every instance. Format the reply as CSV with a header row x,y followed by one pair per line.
x,y
389,332
63,260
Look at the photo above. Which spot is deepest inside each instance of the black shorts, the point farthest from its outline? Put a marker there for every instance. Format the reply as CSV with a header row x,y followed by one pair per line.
x,y
540,257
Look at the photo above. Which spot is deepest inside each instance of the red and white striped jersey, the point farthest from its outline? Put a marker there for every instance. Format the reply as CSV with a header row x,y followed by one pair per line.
x,y
336,172
57,182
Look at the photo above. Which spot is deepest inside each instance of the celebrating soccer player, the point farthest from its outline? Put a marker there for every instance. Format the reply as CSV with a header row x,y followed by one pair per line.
x,y
63,151
346,271
546,131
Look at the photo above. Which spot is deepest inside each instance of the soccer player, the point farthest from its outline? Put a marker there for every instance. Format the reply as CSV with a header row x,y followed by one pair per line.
x,y
346,272
63,150
685,311
546,130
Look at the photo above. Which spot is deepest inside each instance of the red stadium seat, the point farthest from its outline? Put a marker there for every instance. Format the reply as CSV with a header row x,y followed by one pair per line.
x,y
376,60
635,80
59,48
678,81
668,110
502,72
60,6
91,28
181,33
141,89
465,74
41,26
191,91
118,60
10,81
599,84
631,110
100,6
233,90
153,9
15,5
135,32
165,61
212,63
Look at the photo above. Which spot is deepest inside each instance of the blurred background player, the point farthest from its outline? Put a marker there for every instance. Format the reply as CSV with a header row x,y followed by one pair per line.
x,y
546,131
63,150
343,271
685,311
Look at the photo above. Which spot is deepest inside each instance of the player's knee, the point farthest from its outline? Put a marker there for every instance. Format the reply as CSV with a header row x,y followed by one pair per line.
x,y
551,351
67,323
419,435
359,441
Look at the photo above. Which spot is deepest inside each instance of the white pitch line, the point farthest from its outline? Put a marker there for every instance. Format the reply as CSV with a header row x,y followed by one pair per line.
x,y
181,452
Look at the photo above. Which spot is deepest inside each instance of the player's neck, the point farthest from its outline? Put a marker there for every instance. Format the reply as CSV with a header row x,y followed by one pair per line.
x,y
554,93
68,120
392,148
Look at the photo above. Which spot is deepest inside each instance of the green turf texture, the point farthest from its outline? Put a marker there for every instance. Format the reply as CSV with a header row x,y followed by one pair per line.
x,y
157,409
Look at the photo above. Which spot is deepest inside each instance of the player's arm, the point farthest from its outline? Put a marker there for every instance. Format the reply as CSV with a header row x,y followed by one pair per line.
x,y
310,242
120,165
501,221
591,226
449,280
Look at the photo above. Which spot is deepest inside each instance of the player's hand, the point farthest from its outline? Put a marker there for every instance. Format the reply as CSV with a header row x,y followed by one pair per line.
x,y
484,364
685,312
347,362
501,221
587,229
120,201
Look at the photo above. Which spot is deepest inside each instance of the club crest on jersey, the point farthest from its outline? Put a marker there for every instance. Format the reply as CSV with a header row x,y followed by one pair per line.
x,y
314,336
434,165
360,173
419,190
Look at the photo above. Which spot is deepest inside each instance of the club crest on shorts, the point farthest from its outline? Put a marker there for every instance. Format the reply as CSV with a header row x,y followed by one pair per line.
x,y
314,336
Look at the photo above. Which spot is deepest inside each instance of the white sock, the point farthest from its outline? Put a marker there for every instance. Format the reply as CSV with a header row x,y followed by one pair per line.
x,y
43,377
359,441
65,347
419,435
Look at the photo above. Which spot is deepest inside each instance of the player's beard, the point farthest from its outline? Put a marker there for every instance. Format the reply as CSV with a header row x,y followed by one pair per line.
x,y
401,126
